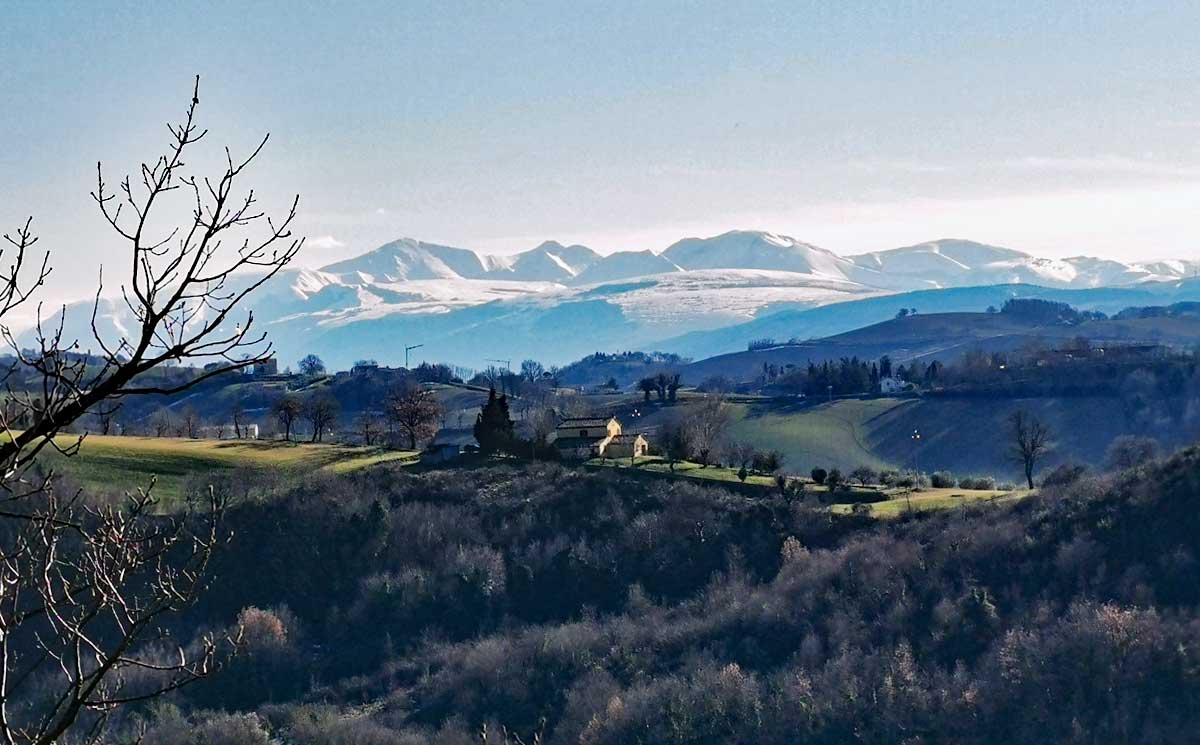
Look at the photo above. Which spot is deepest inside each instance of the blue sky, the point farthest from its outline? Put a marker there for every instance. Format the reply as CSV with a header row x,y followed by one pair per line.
x,y
1057,128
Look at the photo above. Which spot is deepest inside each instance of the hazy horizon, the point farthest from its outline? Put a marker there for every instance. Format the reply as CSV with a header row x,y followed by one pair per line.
x,y
1061,131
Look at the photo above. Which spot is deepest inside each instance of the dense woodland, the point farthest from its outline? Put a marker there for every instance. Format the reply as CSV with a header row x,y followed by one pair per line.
x,y
553,605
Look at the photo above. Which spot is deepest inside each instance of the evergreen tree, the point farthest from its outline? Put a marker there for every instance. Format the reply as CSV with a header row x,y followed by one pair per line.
x,y
494,426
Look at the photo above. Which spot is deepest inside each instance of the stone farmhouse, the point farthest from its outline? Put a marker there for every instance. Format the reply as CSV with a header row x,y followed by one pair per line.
x,y
581,438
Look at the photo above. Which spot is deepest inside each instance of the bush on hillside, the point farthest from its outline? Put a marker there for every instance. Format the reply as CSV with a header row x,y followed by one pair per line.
x,y
1064,474
942,480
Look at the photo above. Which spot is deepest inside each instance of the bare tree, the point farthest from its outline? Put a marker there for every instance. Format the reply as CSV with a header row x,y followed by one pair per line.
x,y
311,366
321,410
84,587
415,412
160,422
1030,441
287,410
705,424
237,413
189,422
104,417
531,370
182,292
742,454
367,424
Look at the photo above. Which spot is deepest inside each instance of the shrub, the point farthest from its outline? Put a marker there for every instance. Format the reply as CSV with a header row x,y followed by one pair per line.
x,y
1130,451
942,480
767,462
1066,473
864,475
834,479
233,729
911,480
819,475
977,482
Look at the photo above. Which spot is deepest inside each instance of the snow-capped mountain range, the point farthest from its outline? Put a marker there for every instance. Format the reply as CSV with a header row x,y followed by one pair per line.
x,y
942,263
557,302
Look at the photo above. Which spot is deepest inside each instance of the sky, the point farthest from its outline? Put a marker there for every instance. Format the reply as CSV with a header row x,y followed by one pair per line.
x,y
1060,129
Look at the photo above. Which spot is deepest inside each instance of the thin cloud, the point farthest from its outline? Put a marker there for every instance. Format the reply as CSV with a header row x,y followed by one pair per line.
x,y
1113,164
902,166
325,242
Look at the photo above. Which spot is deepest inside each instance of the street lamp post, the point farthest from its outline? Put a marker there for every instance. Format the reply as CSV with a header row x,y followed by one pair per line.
x,y
409,349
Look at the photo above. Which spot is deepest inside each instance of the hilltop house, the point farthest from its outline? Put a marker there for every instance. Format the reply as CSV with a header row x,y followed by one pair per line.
x,y
580,438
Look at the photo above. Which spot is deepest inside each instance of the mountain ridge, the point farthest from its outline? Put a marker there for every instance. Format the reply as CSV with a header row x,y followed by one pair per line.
x,y
558,302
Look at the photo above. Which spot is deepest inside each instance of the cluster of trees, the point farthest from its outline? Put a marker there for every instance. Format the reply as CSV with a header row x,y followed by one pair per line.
x,y
1035,310
624,367
665,385
544,604
320,411
409,415
850,375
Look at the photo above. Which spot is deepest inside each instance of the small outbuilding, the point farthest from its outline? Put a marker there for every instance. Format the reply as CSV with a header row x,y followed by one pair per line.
x,y
449,444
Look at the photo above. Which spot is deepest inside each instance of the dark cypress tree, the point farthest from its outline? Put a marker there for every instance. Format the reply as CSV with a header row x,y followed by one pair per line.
x,y
494,427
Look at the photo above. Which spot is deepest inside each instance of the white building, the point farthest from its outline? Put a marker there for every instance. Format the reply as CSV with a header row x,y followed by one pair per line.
x,y
891,385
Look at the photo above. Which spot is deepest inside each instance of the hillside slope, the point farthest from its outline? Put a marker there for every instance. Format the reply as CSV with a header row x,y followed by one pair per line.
x,y
945,337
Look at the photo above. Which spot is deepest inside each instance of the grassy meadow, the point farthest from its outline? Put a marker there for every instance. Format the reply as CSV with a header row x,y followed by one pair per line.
x,y
934,499
119,464
839,434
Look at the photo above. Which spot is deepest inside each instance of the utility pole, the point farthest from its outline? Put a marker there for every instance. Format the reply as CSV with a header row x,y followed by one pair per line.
x,y
916,440
409,349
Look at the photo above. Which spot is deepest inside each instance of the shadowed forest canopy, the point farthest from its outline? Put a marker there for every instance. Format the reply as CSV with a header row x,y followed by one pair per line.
x,y
592,607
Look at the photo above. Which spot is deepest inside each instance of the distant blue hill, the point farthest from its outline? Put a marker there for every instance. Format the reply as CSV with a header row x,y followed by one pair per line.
x,y
837,318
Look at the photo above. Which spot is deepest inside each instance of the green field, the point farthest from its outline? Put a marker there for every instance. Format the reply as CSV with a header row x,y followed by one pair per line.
x,y
935,499
683,469
966,436
829,435
688,469
119,464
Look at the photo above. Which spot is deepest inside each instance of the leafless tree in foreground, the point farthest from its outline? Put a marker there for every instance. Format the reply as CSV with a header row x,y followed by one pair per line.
x,y
1030,442
85,587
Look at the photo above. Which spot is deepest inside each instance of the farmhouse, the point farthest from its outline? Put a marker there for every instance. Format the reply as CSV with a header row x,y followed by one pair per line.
x,y
580,438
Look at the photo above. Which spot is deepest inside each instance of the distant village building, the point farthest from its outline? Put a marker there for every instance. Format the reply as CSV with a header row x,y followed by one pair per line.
x,y
269,366
581,438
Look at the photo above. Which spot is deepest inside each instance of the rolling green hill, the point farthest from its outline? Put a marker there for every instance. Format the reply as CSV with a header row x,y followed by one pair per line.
x,y
945,337
115,465
968,436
